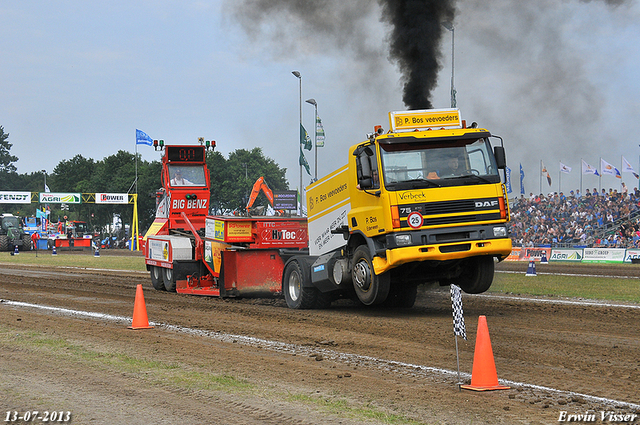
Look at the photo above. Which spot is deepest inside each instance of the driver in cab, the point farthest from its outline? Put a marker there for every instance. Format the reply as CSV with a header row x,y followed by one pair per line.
x,y
452,168
179,180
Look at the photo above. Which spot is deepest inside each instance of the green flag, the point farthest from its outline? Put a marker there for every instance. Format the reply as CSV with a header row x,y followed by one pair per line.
x,y
319,133
305,139
303,161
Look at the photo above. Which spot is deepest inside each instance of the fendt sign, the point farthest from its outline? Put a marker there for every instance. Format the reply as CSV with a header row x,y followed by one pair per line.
x,y
15,197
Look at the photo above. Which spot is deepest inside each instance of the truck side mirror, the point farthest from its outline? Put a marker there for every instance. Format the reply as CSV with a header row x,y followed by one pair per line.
x,y
501,158
363,163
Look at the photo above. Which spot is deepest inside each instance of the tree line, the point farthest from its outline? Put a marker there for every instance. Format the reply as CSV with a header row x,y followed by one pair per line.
x,y
232,179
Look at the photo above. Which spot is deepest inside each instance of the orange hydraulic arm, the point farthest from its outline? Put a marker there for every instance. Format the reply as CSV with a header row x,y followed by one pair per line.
x,y
260,184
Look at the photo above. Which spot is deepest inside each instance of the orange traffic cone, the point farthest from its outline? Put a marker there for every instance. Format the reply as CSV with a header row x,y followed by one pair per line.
x,y
484,376
140,319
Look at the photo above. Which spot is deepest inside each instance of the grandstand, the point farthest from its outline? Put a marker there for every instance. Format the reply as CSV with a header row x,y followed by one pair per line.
x,y
595,219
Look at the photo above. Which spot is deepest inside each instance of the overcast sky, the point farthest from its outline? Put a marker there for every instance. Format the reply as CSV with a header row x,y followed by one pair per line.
x,y
558,80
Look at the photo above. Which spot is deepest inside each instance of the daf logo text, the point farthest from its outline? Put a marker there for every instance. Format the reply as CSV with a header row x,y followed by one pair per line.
x,y
484,204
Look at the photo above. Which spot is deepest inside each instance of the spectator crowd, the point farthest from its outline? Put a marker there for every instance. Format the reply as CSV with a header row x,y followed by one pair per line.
x,y
592,219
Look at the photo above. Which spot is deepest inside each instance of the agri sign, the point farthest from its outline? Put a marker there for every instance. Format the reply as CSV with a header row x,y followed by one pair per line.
x,y
66,198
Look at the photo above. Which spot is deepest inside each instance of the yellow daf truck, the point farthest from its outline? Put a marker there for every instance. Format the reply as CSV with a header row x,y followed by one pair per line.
x,y
419,204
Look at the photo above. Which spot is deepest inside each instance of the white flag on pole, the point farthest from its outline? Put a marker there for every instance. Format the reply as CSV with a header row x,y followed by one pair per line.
x,y
565,168
627,168
588,169
609,169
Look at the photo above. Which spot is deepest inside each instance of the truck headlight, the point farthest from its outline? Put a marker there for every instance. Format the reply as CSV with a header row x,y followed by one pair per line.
x,y
500,232
403,240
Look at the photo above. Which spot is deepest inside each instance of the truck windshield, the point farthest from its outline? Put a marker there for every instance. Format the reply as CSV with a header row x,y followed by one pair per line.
x,y
422,163
187,175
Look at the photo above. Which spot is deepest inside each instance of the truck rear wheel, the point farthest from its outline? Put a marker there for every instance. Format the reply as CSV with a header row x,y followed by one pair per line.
x,y
169,281
296,294
477,275
370,288
4,243
157,280
26,242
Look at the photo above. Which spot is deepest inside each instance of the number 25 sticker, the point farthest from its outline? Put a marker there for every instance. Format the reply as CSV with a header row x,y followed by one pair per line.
x,y
415,220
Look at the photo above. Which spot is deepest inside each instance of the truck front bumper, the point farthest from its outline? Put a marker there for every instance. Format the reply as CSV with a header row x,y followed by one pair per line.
x,y
441,252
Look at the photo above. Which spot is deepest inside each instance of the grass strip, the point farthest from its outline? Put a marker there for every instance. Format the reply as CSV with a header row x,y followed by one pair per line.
x,y
597,288
156,371
341,407
83,260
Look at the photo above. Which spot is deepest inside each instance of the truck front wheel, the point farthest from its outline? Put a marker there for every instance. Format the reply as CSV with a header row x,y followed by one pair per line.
x,y
477,275
370,288
169,281
156,278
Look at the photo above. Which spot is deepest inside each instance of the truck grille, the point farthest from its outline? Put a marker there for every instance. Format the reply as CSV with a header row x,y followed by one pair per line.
x,y
453,212
461,219
448,207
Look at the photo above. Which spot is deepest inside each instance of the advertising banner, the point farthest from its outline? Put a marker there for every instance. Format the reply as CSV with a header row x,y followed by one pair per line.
x,y
407,120
15,197
604,255
285,199
60,198
568,255
112,198
328,204
536,254
515,254
631,254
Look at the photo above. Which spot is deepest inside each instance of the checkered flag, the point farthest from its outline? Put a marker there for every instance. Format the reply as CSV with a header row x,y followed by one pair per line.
x,y
459,328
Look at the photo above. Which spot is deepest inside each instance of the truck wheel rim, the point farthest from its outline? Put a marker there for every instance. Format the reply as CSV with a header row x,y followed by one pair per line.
x,y
362,275
294,286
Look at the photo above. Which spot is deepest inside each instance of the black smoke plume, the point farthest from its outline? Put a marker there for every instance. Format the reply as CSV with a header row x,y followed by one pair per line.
x,y
415,33
414,43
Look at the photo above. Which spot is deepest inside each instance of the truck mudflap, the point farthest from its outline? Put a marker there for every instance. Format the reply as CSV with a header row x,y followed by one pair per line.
x,y
244,273
500,248
252,273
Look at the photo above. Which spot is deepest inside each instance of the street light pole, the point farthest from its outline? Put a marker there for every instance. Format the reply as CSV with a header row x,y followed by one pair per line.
x,y
246,178
315,140
299,77
46,206
449,26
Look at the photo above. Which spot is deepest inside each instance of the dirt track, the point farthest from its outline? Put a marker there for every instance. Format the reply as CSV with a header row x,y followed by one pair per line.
x,y
336,366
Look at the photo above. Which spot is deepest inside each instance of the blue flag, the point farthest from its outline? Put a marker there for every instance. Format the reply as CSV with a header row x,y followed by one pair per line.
x,y
508,182
143,138
521,180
